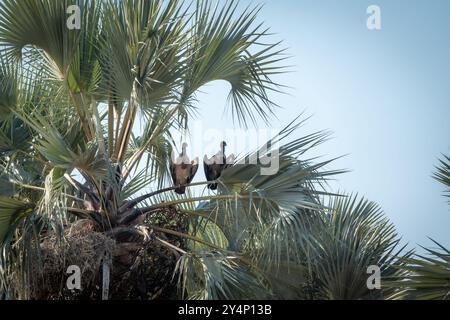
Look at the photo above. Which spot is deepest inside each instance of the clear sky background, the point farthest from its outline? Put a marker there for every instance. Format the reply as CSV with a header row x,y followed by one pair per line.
x,y
385,95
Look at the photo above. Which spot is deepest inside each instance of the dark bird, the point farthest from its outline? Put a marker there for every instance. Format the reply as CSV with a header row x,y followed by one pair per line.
x,y
183,170
214,166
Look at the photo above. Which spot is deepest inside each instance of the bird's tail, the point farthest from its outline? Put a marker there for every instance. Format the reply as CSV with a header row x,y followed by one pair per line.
x,y
212,186
180,190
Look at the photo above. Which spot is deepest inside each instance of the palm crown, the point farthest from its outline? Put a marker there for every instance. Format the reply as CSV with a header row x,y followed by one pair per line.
x,y
78,172
70,100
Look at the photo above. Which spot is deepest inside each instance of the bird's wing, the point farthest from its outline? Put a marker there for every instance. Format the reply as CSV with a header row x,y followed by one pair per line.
x,y
218,158
193,171
178,161
173,171
230,160
206,168
209,161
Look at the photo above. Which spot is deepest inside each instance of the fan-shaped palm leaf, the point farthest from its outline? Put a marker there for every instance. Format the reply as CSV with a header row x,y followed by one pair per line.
x,y
443,174
426,277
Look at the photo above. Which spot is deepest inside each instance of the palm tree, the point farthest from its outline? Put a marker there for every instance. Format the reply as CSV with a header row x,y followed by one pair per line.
x,y
83,184
73,188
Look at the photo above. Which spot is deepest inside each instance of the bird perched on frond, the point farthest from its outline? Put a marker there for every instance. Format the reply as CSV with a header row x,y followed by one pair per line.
x,y
215,165
183,170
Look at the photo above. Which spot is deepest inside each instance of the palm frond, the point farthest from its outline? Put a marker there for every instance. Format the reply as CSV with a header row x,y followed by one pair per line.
x,y
143,43
443,174
352,235
225,46
427,277
10,209
214,276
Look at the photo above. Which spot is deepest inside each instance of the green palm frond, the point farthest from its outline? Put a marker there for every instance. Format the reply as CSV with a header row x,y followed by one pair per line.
x,y
14,136
44,29
66,150
225,46
67,55
143,43
215,276
352,235
8,87
427,277
443,174
10,209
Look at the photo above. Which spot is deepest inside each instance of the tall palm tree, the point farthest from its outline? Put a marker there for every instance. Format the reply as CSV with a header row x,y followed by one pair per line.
x,y
72,153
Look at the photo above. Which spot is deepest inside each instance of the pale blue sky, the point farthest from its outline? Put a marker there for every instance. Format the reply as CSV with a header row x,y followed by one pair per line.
x,y
385,95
